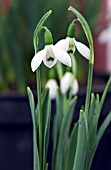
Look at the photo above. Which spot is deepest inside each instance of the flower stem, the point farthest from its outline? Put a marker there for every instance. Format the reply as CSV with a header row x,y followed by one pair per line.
x,y
74,64
74,71
90,73
59,70
39,114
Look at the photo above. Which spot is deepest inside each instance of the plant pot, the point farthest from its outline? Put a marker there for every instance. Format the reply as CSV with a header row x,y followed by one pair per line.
x,y
15,133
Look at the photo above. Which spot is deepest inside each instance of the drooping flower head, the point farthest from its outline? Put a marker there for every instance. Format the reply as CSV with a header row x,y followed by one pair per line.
x,y
69,44
50,54
52,85
68,81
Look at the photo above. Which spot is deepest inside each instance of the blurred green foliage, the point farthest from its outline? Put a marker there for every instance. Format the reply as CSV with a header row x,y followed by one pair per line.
x,y
16,33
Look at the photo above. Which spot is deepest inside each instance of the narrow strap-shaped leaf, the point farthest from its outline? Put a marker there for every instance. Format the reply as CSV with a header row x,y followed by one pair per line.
x,y
94,123
98,138
103,128
44,93
57,124
35,152
92,130
33,113
65,153
105,93
82,140
72,148
46,166
91,110
32,105
46,109
64,131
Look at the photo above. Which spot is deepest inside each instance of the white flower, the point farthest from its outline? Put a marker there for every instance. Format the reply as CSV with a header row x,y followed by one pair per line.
x,y
68,81
49,55
52,85
105,35
70,44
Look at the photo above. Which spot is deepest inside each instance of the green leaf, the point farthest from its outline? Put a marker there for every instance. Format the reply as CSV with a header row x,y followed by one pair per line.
x,y
82,140
72,148
38,29
32,105
92,128
46,109
46,166
91,110
98,138
94,122
66,148
57,124
33,113
64,132
103,128
105,92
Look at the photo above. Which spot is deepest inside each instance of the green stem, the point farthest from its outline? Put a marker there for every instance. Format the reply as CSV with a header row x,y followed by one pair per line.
x,y
59,70
74,71
105,93
90,73
74,64
39,114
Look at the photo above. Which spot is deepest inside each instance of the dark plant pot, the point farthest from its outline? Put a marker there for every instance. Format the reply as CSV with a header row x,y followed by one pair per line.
x,y
16,133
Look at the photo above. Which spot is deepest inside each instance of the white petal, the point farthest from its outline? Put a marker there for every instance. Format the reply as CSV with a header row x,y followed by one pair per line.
x,y
52,85
49,50
66,82
63,44
83,49
62,56
49,64
37,59
75,87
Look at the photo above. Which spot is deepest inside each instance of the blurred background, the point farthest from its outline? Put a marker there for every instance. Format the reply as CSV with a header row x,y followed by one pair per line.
x,y
18,19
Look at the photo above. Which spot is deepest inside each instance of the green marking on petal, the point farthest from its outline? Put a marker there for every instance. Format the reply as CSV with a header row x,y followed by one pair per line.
x,y
71,47
49,54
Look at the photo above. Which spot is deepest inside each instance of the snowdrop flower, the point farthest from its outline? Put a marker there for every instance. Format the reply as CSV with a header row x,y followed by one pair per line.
x,y
50,54
69,44
52,85
68,81
105,35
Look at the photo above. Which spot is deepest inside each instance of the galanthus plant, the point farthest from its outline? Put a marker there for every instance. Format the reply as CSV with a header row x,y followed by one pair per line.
x,y
73,148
